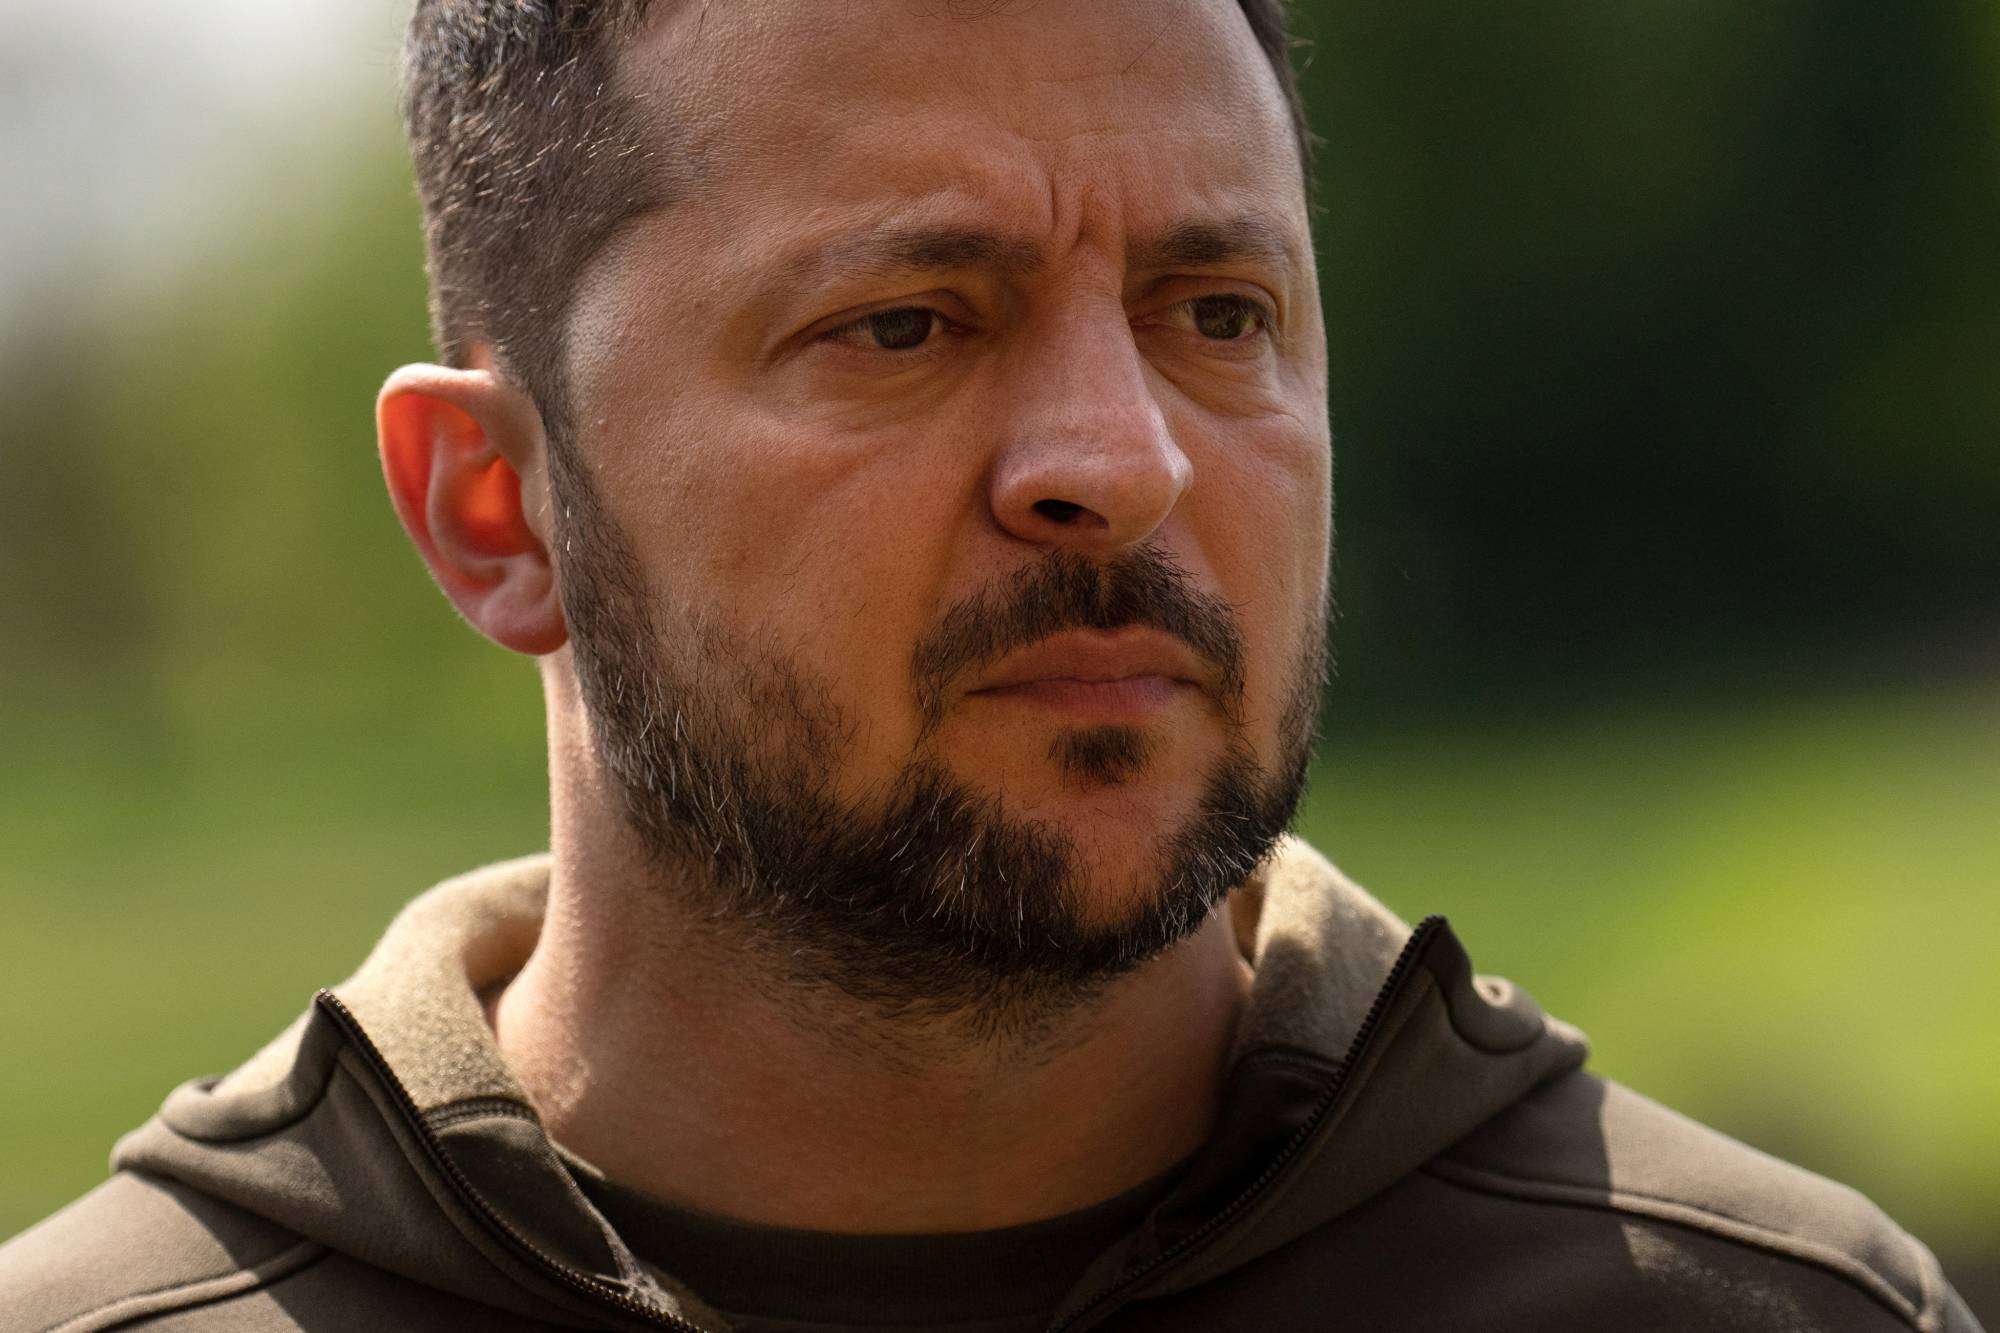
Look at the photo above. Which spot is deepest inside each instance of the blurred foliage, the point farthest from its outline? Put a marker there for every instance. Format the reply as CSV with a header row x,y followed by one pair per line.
x,y
1663,336
1666,416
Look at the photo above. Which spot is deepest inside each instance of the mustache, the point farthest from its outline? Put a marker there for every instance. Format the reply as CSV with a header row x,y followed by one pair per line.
x,y
1144,587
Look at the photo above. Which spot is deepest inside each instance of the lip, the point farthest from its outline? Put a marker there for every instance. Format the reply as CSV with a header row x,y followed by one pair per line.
x,y
1115,672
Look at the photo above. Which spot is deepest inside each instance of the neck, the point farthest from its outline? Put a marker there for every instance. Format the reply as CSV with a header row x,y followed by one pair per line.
x,y
659,1052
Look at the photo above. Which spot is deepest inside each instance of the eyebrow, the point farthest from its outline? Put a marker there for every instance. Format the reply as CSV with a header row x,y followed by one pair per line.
x,y
1198,244
890,251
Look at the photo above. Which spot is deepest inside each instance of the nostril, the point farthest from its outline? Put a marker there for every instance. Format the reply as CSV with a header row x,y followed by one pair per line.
x,y
1058,511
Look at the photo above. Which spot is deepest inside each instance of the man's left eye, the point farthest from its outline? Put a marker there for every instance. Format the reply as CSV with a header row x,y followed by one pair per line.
x,y
1226,318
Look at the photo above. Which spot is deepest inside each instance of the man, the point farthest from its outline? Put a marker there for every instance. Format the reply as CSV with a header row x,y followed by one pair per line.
x,y
900,434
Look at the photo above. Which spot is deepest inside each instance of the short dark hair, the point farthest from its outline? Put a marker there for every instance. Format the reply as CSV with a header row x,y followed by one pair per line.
x,y
527,159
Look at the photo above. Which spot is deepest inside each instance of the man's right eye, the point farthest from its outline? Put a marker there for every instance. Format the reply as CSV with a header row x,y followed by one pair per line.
x,y
902,329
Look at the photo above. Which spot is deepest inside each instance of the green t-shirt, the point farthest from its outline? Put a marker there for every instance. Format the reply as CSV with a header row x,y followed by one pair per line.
x,y
777,1280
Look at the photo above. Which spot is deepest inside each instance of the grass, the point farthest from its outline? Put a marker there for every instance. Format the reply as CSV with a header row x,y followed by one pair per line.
x,y
1779,919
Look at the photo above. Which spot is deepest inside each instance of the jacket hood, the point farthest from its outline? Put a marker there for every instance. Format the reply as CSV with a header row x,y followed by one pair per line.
x,y
383,1123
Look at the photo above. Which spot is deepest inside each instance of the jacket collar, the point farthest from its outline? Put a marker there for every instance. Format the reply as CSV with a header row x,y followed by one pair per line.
x,y
392,1082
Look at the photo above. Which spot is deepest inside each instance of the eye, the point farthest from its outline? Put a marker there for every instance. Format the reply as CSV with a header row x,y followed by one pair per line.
x,y
1226,317
902,329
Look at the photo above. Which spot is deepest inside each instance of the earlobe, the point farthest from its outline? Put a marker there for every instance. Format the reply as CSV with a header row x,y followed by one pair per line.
x,y
457,447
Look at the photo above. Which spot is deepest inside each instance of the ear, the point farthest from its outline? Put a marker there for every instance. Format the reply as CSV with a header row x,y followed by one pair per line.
x,y
457,447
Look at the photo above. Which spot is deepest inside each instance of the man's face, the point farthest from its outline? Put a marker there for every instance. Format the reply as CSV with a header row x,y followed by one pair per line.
x,y
959,434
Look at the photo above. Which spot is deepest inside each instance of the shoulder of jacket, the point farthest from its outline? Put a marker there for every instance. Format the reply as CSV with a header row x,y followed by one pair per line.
x,y
138,1247
1580,1141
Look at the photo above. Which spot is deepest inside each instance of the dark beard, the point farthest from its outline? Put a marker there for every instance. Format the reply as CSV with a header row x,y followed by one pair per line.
x,y
934,901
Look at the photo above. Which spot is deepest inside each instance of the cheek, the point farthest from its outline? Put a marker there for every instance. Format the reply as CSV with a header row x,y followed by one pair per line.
x,y
824,517
832,545
1262,495
1261,513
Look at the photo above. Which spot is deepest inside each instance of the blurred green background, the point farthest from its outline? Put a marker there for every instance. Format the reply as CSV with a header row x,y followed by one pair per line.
x,y
1664,340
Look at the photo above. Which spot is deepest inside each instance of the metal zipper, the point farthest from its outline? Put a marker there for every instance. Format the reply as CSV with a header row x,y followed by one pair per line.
x,y
1392,988
582,1283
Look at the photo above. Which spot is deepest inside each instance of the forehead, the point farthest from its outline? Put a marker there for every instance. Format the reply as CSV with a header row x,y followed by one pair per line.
x,y
805,100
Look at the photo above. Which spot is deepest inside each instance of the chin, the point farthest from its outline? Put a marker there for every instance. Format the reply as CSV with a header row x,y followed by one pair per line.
x,y
1149,815
1123,837
1117,890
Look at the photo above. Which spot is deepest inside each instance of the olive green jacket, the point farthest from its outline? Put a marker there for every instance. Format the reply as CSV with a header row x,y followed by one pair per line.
x,y
1403,1146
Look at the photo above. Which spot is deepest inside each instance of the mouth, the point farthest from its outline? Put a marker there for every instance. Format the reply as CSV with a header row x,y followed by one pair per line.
x,y
1095,676
1128,698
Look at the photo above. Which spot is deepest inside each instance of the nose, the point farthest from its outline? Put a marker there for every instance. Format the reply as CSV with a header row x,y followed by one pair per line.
x,y
1086,459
